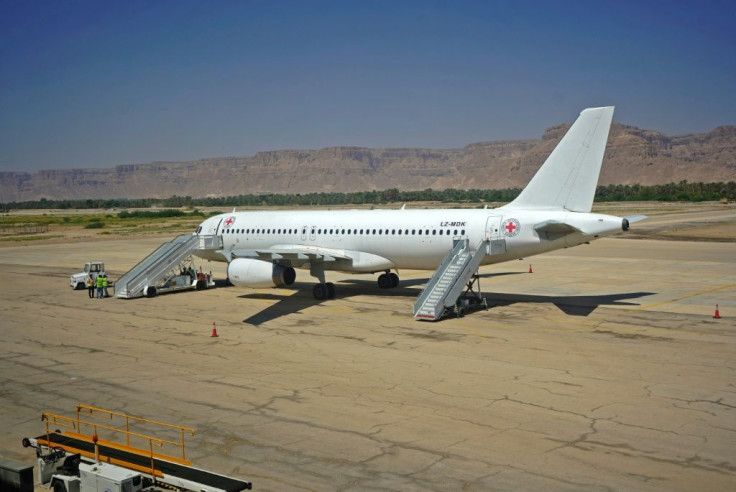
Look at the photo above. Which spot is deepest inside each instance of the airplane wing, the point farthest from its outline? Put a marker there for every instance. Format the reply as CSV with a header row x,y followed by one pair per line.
x,y
553,229
293,255
297,255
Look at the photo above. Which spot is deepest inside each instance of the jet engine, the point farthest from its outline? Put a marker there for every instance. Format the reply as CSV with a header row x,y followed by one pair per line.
x,y
256,273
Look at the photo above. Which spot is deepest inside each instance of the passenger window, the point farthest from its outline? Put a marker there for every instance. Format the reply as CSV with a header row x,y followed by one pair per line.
x,y
462,232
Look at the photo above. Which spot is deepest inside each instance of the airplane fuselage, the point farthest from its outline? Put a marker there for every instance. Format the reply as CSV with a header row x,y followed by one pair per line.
x,y
395,239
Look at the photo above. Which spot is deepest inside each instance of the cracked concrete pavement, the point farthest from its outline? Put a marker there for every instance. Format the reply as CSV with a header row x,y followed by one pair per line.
x,y
603,370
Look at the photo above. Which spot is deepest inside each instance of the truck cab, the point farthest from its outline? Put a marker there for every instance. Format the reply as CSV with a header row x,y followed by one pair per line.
x,y
96,268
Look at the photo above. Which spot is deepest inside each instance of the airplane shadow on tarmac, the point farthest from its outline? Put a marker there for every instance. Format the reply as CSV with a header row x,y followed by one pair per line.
x,y
302,298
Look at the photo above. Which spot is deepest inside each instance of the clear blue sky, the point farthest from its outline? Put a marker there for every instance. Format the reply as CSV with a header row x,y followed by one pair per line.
x,y
99,83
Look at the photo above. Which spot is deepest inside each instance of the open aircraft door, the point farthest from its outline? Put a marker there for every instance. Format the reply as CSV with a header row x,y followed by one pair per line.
x,y
493,232
214,228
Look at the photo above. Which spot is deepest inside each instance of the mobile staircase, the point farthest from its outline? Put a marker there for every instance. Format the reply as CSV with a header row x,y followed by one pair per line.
x,y
154,268
451,286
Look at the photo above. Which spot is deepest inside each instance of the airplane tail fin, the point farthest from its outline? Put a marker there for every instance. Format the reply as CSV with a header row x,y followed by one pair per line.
x,y
568,178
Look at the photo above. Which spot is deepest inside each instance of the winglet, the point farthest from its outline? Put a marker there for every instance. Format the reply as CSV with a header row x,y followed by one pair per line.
x,y
568,178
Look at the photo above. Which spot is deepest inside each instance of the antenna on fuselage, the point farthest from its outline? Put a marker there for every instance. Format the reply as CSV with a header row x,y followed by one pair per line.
x,y
234,209
403,206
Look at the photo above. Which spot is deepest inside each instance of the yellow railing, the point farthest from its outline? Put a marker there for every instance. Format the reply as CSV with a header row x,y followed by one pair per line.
x,y
88,430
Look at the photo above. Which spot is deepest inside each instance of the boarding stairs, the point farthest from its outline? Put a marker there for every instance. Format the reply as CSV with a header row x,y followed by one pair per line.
x,y
454,280
153,268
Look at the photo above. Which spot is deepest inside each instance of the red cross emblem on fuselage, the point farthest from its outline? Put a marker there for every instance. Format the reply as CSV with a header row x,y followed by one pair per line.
x,y
229,221
511,227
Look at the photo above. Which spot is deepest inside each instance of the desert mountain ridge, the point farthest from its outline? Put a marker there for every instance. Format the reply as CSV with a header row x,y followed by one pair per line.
x,y
633,156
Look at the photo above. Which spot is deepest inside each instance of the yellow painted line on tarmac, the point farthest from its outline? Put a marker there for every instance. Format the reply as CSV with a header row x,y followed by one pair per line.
x,y
661,303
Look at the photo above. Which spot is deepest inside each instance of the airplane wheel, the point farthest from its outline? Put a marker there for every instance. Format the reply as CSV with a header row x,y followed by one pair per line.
x,y
394,279
330,290
320,292
384,281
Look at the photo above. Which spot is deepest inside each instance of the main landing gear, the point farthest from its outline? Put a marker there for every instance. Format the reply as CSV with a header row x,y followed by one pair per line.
x,y
322,291
326,290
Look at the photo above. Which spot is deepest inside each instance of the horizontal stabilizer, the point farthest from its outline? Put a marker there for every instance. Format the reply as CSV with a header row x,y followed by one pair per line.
x,y
552,229
635,218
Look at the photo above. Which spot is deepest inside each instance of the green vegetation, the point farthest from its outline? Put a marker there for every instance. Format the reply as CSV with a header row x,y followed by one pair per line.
x,y
94,224
155,214
682,191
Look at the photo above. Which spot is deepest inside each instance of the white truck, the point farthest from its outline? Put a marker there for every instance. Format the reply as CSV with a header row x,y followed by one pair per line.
x,y
78,280
63,472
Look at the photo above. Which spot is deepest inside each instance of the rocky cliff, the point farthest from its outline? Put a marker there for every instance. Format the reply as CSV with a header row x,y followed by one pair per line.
x,y
633,156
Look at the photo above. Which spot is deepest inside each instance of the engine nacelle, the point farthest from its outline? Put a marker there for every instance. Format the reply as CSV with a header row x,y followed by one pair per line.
x,y
256,273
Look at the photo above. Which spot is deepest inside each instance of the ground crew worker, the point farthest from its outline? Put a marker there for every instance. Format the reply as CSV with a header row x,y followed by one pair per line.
x,y
91,286
99,287
104,286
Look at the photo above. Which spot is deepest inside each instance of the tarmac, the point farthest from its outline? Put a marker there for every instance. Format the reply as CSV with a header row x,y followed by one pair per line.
x,y
602,370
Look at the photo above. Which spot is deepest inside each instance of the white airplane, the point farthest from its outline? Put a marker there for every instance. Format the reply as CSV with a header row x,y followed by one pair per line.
x,y
552,212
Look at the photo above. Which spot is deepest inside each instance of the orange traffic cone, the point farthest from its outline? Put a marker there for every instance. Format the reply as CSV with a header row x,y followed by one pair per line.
x,y
530,269
214,330
717,315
